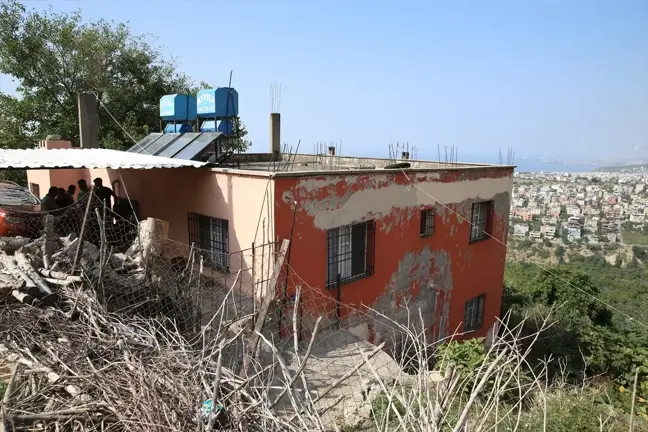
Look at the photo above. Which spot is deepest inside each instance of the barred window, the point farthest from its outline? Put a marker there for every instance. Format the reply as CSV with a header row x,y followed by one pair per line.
x,y
211,236
428,222
350,251
474,313
480,220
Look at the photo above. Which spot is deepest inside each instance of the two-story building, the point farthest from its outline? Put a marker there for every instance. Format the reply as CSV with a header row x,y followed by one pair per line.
x,y
429,235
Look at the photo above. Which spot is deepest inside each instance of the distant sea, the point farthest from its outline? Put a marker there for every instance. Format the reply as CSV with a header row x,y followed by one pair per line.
x,y
523,165
535,165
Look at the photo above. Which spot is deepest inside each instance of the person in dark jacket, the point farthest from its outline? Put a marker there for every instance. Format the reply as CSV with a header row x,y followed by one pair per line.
x,y
104,193
62,198
48,203
83,189
70,191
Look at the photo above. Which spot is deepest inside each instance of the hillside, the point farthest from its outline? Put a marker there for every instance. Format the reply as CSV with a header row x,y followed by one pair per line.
x,y
622,168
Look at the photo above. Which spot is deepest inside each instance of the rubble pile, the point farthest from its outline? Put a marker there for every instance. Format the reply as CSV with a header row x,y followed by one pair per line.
x,y
91,340
72,364
142,280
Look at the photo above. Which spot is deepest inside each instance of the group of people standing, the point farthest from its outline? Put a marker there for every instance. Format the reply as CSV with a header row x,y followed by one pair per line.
x,y
58,198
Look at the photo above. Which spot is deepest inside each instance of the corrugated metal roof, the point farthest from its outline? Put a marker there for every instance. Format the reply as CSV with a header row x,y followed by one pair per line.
x,y
87,158
177,146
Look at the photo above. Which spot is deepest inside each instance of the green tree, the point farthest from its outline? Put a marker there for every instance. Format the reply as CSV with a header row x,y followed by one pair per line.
x,y
574,290
53,57
584,328
238,141
526,243
14,131
640,253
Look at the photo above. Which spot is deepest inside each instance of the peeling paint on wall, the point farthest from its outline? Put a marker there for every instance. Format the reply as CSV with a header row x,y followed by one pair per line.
x,y
422,282
332,209
437,273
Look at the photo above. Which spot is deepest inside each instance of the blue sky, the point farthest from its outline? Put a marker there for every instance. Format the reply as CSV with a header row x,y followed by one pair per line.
x,y
555,78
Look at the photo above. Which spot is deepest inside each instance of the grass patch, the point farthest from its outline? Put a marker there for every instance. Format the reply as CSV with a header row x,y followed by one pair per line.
x,y
635,237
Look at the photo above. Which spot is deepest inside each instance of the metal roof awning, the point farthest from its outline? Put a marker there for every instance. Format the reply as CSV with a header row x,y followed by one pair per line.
x,y
177,146
87,158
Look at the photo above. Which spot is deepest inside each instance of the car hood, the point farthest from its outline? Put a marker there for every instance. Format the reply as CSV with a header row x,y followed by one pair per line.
x,y
24,208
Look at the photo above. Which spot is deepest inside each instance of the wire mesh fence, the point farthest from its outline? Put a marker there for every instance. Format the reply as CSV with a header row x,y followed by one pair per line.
x,y
132,265
174,340
136,269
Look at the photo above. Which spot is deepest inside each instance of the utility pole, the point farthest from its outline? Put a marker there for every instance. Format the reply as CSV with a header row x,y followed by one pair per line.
x,y
88,120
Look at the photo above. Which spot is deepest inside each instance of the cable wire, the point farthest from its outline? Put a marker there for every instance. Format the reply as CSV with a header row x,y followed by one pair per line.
x,y
412,184
115,120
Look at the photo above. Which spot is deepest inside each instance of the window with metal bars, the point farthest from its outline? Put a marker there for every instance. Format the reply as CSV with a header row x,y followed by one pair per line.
x,y
350,252
210,235
481,220
428,222
474,313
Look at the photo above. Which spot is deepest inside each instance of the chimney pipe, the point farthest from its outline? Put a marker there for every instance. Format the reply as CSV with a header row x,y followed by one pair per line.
x,y
405,155
331,150
275,134
88,121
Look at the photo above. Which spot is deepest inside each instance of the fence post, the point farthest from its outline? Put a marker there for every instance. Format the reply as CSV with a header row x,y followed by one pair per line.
x,y
253,272
241,269
199,292
89,196
49,237
338,308
268,300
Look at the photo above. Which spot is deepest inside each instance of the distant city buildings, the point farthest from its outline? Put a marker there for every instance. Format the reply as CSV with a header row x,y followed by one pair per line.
x,y
572,207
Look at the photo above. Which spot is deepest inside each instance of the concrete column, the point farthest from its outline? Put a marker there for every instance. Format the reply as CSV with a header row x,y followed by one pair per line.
x,y
88,121
275,133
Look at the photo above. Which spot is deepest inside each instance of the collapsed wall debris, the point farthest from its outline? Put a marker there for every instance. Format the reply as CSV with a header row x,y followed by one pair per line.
x,y
143,279
100,339
101,329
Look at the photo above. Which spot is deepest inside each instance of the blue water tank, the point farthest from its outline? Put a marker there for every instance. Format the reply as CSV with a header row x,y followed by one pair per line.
x,y
221,102
178,107
178,128
224,126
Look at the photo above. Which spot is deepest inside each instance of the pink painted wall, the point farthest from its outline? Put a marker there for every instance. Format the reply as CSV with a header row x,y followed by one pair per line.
x,y
64,177
39,178
244,200
55,144
170,194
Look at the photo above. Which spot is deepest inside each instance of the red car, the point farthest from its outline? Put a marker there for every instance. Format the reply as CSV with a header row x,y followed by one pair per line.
x,y
19,211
